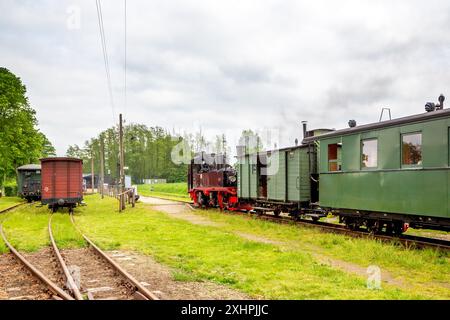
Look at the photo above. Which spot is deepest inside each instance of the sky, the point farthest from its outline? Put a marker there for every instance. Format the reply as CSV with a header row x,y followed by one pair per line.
x,y
225,66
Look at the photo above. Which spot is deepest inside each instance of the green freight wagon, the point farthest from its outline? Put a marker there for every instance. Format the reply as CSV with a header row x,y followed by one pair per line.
x,y
388,174
29,182
278,180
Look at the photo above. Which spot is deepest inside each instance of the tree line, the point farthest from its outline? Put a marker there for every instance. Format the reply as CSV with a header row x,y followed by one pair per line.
x,y
21,142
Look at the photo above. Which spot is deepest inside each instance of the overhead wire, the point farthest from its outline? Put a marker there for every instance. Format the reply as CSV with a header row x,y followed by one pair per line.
x,y
125,58
105,56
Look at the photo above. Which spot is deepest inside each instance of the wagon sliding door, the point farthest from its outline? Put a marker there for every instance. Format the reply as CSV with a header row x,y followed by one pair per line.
x,y
276,180
293,175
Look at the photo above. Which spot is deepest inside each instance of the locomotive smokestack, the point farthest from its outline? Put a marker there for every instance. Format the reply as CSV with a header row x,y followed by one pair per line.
x,y
304,124
441,101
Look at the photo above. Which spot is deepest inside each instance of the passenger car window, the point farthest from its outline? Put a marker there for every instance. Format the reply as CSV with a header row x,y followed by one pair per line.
x,y
412,149
334,157
369,153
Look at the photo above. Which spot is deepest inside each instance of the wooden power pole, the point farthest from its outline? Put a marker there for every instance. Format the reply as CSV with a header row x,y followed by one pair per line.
x,y
92,172
102,167
121,160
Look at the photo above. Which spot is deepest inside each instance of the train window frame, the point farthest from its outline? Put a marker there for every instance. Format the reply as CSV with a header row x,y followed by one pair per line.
x,y
337,160
361,154
408,165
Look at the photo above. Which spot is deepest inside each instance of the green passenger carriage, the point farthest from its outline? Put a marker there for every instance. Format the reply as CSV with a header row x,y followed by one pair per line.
x,y
388,173
382,176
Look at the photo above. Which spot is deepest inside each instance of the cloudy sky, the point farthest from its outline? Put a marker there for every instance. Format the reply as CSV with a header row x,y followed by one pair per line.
x,y
224,66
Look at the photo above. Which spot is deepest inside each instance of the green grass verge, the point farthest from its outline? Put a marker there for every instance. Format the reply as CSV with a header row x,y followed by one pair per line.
x,y
26,229
7,202
171,191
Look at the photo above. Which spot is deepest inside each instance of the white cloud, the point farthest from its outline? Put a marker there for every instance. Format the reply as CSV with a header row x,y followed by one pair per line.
x,y
226,66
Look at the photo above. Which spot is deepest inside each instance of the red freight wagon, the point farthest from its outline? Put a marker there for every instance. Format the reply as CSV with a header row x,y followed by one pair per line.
x,y
62,182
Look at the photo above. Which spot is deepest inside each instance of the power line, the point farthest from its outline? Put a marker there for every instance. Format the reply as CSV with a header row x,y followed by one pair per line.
x,y
105,55
125,56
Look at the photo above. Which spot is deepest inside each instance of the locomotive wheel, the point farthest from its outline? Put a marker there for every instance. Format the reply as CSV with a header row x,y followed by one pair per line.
x,y
200,199
396,228
373,227
277,212
54,209
352,224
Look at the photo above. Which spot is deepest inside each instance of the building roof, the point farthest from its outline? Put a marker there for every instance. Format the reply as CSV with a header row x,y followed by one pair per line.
x,y
30,167
383,124
60,159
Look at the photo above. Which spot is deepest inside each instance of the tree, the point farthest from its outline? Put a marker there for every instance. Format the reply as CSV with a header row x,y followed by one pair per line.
x,y
251,141
20,140
47,149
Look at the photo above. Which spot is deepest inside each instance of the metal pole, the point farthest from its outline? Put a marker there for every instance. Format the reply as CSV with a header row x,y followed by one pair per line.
x,y
102,168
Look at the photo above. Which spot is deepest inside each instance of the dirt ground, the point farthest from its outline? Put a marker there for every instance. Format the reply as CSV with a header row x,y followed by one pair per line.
x,y
159,280
16,283
177,210
95,276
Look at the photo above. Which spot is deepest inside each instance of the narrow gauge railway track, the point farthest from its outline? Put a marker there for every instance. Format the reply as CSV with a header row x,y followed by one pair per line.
x,y
57,292
13,207
49,287
408,241
139,292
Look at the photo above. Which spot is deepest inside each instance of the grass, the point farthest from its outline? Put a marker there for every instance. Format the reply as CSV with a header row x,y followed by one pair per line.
x,y
217,254
429,268
7,202
288,270
26,229
171,191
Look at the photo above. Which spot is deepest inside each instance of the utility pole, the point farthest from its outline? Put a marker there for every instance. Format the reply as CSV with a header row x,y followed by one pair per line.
x,y
92,172
122,160
102,166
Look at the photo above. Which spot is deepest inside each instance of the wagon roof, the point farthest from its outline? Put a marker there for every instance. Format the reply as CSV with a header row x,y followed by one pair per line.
x,y
383,124
60,159
30,167
265,152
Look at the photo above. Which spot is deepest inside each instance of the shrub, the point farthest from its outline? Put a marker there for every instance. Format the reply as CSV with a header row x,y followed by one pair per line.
x,y
11,191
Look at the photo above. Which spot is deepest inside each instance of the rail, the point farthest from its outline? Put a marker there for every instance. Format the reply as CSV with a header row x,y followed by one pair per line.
x,y
142,292
45,280
71,282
